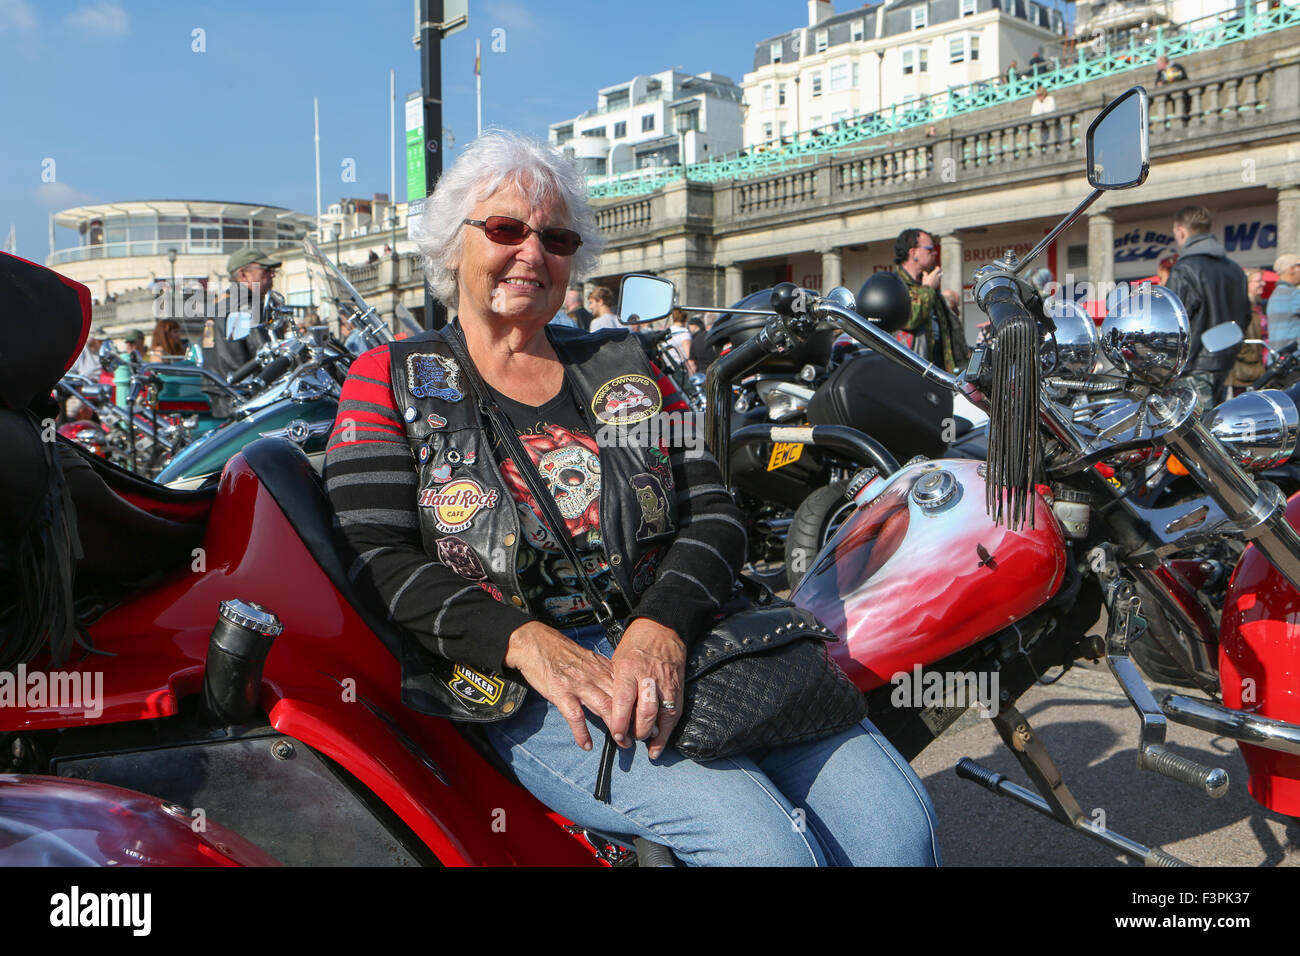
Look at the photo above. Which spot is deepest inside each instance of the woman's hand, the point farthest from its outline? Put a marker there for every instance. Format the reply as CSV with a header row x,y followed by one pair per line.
x,y
649,666
569,676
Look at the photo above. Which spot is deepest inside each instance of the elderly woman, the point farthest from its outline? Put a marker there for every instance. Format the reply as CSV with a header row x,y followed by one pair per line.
x,y
447,534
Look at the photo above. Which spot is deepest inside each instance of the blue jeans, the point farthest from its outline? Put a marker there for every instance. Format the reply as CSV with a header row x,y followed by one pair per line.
x,y
846,800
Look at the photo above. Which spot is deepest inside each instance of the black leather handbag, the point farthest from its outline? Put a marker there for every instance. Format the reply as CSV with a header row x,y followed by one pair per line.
x,y
762,677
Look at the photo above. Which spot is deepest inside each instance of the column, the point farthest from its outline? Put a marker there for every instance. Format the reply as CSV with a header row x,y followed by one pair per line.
x,y
832,269
734,283
1101,249
1288,219
950,258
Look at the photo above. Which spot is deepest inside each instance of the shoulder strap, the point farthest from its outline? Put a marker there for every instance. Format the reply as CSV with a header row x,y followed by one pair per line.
x,y
507,437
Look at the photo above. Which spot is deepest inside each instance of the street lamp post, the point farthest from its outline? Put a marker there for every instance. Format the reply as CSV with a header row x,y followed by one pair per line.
x,y
337,229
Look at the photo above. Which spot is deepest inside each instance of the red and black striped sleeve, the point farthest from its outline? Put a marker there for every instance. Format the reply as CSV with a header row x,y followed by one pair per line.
x,y
371,481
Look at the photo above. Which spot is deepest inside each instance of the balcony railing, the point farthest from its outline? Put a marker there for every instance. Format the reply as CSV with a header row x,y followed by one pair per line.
x,y
1198,36
160,247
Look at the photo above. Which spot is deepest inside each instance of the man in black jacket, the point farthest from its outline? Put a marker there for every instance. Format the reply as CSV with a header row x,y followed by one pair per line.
x,y
1213,288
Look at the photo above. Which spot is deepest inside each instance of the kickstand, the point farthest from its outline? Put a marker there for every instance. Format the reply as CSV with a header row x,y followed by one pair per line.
x,y
1056,801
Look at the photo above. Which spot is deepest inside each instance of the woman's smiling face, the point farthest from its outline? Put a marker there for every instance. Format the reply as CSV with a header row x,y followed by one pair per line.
x,y
522,283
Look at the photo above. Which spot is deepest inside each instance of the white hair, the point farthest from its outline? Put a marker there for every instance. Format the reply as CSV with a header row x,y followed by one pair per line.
x,y
495,159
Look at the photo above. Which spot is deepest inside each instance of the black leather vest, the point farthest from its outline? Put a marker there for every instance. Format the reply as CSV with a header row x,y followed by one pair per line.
x,y
471,523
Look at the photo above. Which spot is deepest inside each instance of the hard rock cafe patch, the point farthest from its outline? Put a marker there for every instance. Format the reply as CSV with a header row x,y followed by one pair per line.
x,y
436,421
460,557
430,375
654,505
455,504
627,399
475,687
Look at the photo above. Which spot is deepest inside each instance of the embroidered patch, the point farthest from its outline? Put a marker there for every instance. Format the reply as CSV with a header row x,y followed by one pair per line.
x,y
627,399
493,590
469,457
643,575
424,454
429,375
654,505
475,687
436,421
460,557
441,474
455,505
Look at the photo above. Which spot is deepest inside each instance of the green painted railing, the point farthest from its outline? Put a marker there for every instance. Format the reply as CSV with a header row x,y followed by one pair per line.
x,y
1198,36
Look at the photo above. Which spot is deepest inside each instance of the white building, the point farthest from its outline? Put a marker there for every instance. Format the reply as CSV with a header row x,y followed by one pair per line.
x,y
1118,19
652,121
874,57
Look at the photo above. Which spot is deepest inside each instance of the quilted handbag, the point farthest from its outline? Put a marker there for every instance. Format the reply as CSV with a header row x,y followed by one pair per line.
x,y
764,677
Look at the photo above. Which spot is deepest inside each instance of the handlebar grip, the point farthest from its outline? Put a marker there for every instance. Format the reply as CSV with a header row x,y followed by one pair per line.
x,y
245,370
1003,305
275,370
1157,757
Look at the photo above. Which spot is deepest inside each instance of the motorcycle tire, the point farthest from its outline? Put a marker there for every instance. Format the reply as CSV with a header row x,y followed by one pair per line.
x,y
815,520
1154,660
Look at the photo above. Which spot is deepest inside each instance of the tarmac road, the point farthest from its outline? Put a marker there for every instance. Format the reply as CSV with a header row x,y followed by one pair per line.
x,y
1091,731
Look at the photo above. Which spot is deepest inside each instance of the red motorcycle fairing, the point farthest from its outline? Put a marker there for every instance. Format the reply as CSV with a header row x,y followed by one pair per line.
x,y
1259,666
54,821
328,682
909,581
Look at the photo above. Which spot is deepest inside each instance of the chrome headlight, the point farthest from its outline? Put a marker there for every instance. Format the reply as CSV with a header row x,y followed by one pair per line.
x,y
1076,340
1259,429
1146,335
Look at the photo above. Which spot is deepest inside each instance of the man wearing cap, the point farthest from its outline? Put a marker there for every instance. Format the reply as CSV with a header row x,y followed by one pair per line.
x,y
238,334
232,339
1284,304
134,346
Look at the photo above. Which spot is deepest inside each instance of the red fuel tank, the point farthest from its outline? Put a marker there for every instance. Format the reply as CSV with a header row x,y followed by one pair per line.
x,y
920,571
1259,666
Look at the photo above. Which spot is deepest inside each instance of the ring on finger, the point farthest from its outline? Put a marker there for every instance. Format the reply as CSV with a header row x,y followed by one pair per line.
x,y
668,705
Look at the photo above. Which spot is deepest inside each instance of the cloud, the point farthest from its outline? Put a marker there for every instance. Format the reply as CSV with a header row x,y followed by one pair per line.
x,y
510,14
102,19
58,195
16,15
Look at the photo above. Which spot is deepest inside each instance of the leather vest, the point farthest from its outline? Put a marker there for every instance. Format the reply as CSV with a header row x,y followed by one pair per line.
x,y
470,522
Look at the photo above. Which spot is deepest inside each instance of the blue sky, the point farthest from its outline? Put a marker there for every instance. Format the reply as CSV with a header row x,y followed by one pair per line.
x,y
113,92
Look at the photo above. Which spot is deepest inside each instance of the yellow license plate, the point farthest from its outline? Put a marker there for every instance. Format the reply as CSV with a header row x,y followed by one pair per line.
x,y
784,453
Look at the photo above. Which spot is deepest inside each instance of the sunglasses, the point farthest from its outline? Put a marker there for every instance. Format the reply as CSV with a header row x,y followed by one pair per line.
x,y
506,231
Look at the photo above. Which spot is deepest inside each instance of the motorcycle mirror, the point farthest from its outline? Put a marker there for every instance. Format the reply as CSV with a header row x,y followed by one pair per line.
x,y
643,298
1225,337
884,299
1118,147
108,357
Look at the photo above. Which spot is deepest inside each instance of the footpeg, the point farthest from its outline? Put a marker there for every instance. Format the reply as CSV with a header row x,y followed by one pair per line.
x,y
1122,606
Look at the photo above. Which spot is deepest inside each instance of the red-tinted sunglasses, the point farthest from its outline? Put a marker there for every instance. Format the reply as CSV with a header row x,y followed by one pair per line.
x,y
511,232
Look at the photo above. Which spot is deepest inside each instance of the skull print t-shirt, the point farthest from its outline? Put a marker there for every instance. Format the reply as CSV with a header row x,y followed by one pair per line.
x,y
567,458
